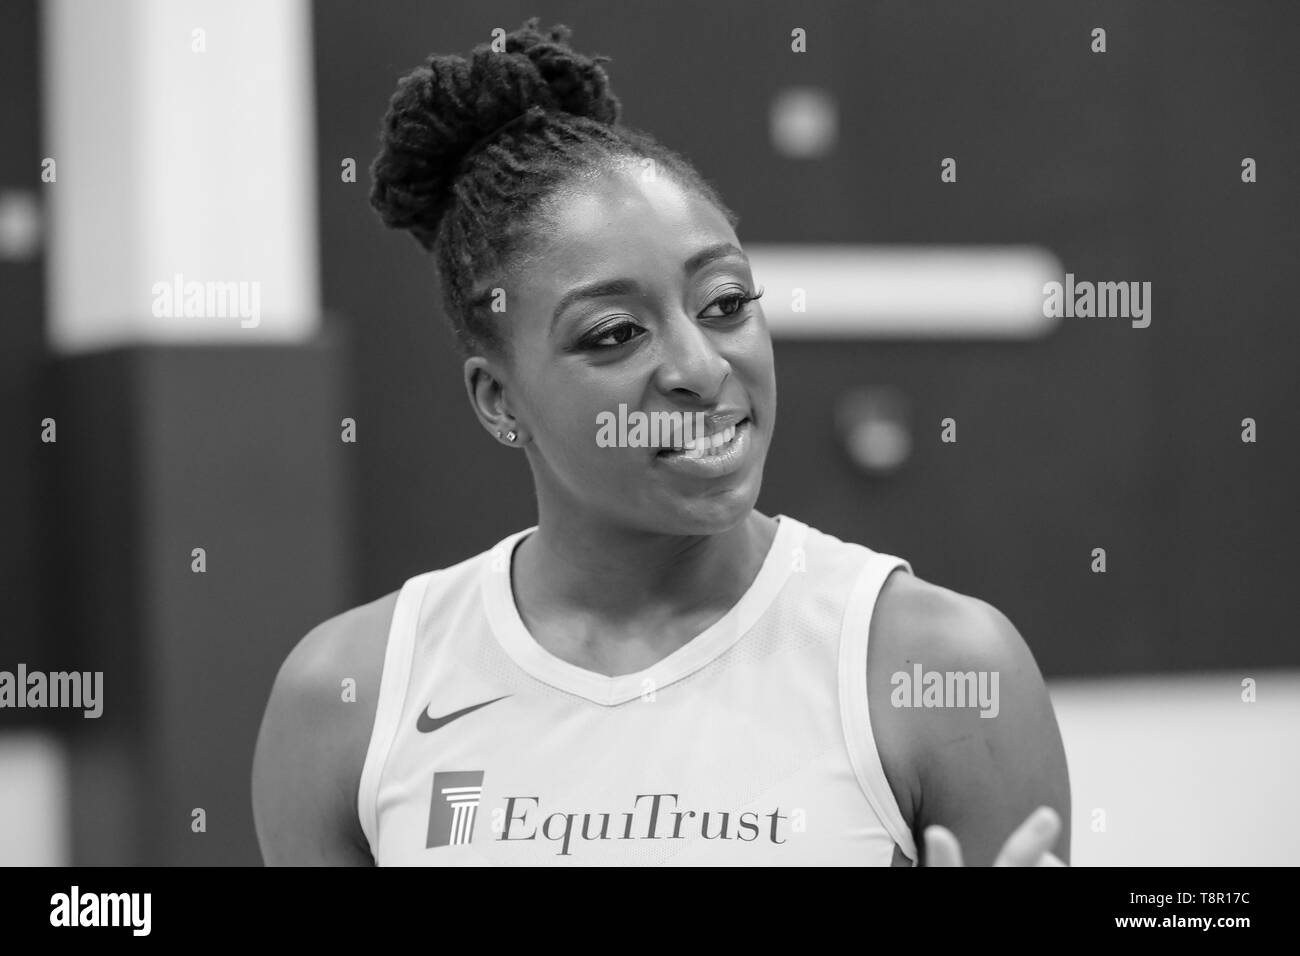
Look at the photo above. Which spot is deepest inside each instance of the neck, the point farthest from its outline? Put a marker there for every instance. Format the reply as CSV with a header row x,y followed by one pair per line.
x,y
615,572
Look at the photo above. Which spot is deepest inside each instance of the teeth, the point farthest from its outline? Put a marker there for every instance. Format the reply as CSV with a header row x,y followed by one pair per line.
x,y
704,447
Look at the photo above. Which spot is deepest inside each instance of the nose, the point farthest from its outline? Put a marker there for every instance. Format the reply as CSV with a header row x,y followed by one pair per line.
x,y
690,362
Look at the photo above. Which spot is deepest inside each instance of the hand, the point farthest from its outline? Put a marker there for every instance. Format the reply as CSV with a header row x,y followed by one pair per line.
x,y
1030,845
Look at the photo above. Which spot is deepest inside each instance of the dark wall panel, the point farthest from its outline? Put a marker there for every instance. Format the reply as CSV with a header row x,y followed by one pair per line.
x,y
1125,164
22,348
163,450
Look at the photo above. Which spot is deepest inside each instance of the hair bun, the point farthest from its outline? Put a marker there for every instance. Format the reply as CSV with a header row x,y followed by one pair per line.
x,y
447,108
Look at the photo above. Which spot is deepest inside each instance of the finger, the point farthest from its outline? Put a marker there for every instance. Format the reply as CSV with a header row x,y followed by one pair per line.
x,y
1050,859
941,847
1036,836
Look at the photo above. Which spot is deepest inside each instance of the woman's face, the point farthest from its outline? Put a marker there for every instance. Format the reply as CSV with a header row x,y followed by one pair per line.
x,y
635,297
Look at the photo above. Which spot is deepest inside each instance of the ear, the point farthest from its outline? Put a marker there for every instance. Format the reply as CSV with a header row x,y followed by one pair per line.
x,y
485,384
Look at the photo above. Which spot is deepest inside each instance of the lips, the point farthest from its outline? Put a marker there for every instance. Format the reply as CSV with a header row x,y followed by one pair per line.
x,y
719,461
722,431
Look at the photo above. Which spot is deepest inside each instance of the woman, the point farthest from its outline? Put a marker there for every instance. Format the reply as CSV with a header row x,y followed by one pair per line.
x,y
656,673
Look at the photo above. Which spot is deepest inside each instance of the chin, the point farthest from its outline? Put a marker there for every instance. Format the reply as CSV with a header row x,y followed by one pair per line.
x,y
712,512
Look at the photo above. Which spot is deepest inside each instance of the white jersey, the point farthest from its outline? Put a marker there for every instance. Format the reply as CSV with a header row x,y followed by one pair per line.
x,y
749,745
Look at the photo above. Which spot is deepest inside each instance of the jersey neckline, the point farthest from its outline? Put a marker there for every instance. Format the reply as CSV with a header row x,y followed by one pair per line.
x,y
497,595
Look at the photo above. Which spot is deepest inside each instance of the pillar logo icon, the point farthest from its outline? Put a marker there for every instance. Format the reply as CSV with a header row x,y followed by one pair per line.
x,y
456,796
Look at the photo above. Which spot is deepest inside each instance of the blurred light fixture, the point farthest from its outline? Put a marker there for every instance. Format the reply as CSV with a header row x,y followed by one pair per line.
x,y
20,226
909,292
804,122
874,428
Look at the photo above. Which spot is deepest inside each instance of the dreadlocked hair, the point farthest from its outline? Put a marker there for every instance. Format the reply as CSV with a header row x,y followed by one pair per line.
x,y
470,148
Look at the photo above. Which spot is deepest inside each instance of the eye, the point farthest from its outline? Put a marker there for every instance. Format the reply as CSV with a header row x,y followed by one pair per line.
x,y
612,336
731,303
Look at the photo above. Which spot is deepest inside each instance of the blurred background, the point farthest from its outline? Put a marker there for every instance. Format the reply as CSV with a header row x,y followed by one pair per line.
x,y
212,140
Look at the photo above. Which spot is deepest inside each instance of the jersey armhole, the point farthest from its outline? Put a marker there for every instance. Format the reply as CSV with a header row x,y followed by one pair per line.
x,y
393,682
854,712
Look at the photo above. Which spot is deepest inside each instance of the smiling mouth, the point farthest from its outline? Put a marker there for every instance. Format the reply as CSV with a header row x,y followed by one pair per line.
x,y
707,446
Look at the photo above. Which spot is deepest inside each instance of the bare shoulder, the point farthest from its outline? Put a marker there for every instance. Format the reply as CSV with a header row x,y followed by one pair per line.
x,y
915,618
348,645
941,666
916,622
313,740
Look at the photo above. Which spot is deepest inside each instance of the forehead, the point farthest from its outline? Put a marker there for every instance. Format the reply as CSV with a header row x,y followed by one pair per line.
x,y
622,223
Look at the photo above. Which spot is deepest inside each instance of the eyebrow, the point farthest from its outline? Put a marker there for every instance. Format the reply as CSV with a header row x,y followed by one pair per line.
x,y
610,287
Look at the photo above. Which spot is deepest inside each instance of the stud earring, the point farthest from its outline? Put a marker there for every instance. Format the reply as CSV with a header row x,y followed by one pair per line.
x,y
509,436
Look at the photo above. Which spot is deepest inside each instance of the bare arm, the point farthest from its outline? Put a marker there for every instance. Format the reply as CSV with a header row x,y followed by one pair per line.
x,y
312,743
979,777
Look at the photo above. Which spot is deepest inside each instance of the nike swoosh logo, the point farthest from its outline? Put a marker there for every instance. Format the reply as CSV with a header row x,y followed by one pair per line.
x,y
427,724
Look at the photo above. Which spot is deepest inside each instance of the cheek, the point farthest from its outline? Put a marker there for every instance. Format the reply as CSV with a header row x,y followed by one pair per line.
x,y
752,356
571,407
